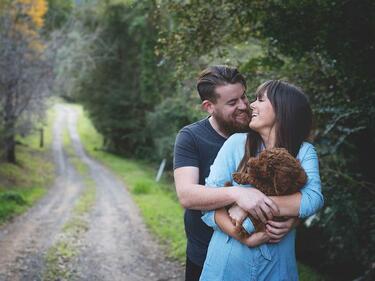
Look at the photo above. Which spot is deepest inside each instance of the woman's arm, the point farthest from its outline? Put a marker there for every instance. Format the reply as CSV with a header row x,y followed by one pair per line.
x,y
310,199
226,225
289,205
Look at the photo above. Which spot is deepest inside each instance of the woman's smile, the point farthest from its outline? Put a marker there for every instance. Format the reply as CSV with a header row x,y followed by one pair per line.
x,y
263,114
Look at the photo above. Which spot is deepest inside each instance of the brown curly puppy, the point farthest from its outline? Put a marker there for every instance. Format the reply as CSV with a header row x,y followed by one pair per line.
x,y
274,172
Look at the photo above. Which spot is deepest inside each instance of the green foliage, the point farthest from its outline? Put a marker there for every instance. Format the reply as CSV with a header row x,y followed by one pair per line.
x,y
327,48
57,14
121,89
167,119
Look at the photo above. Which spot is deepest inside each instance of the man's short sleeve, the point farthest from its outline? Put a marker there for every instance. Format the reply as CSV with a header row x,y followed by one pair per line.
x,y
185,150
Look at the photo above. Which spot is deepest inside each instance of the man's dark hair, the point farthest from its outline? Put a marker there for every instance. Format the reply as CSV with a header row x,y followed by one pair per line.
x,y
217,75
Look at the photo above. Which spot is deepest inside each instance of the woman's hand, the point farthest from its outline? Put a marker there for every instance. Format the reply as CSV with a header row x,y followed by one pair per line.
x,y
276,230
237,214
256,239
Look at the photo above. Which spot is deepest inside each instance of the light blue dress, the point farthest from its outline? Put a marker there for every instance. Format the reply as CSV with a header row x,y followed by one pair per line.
x,y
229,260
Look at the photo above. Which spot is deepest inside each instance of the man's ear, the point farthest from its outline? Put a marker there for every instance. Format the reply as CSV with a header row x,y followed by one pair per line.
x,y
208,106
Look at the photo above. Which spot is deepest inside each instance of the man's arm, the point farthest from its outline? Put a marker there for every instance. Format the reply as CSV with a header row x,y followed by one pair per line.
x,y
194,196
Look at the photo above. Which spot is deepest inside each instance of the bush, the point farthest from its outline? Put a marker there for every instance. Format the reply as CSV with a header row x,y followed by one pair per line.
x,y
167,119
12,196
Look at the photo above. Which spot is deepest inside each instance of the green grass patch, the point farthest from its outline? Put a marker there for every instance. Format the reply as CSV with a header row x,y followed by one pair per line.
x,y
142,186
87,199
33,168
164,216
16,201
58,260
66,140
29,177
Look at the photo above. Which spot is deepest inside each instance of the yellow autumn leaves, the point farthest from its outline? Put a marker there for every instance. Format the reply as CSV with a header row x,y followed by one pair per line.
x,y
27,18
34,9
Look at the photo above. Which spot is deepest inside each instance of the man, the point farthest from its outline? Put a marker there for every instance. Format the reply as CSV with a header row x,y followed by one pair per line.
x,y
222,90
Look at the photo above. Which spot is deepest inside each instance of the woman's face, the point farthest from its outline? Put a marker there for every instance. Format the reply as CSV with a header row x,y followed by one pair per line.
x,y
263,115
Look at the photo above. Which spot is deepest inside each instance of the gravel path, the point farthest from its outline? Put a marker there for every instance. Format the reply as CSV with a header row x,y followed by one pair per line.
x,y
117,245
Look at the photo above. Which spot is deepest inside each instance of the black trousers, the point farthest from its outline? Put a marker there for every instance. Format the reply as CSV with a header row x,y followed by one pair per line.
x,y
192,271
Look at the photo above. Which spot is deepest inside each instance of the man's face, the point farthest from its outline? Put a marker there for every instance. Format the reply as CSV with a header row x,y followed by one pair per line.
x,y
231,110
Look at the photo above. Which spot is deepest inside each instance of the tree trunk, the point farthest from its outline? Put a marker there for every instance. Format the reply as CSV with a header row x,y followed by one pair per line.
x,y
9,126
10,144
41,143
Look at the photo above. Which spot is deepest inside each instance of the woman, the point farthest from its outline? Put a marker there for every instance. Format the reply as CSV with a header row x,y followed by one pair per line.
x,y
281,117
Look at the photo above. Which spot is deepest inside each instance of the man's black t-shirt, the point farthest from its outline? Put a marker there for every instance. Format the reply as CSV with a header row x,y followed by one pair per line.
x,y
197,145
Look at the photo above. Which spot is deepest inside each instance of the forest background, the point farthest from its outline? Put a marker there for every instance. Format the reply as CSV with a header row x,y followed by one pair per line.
x,y
133,65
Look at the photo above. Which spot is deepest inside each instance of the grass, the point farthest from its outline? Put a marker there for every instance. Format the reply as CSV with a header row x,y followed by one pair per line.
x,y
15,202
57,258
87,199
159,207
24,183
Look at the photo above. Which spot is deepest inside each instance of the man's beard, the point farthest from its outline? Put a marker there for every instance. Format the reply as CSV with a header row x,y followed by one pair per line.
x,y
231,126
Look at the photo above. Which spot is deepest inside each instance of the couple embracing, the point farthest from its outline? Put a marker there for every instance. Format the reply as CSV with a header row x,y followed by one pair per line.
x,y
209,151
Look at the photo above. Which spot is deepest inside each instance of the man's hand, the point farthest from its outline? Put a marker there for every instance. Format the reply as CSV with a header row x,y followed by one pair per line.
x,y
256,203
276,230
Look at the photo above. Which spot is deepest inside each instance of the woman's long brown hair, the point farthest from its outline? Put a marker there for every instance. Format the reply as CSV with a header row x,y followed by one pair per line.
x,y
293,119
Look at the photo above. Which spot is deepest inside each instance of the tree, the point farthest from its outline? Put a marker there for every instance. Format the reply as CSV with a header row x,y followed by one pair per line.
x,y
23,66
128,79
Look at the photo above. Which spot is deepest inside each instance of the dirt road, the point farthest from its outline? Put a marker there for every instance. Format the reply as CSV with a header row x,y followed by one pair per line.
x,y
116,244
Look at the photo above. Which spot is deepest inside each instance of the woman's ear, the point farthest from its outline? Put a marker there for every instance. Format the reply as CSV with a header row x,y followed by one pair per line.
x,y
208,106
